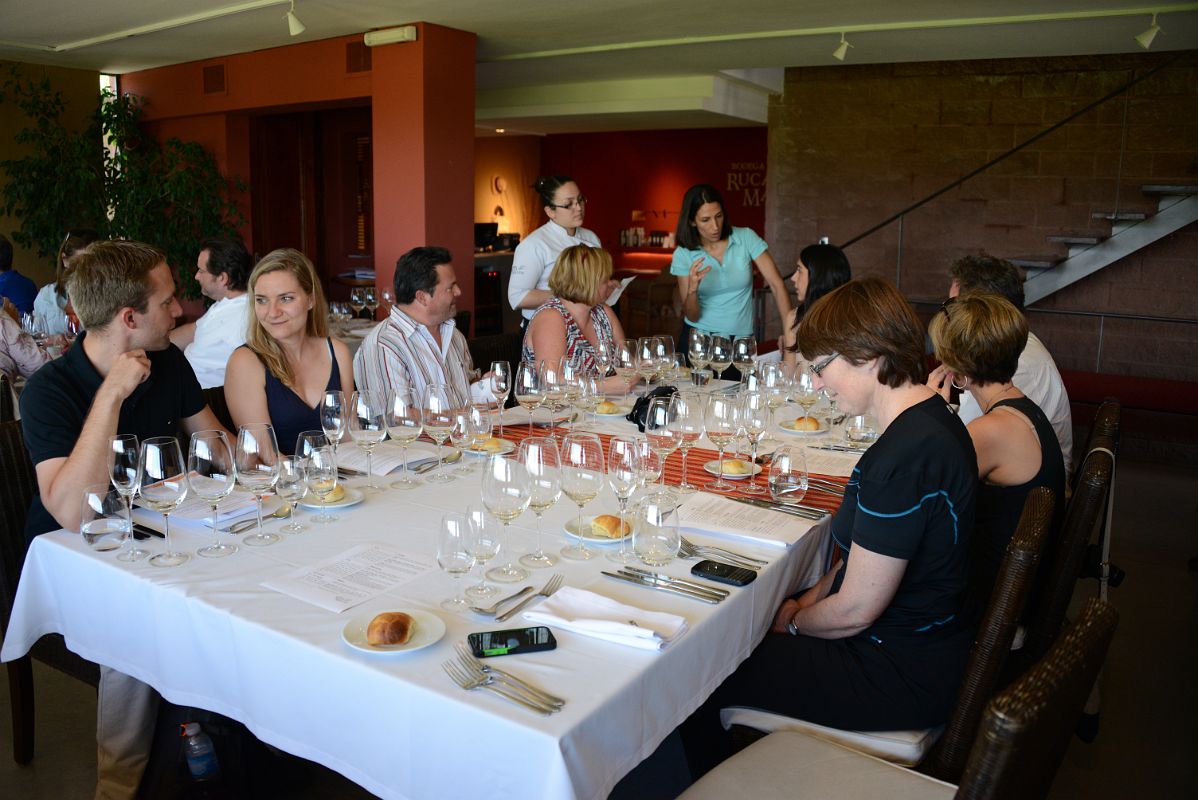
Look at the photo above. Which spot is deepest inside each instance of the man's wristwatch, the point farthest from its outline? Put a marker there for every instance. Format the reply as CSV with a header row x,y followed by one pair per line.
x,y
791,628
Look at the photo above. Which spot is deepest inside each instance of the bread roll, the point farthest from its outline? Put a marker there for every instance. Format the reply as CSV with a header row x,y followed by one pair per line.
x,y
609,526
734,466
607,407
336,495
806,424
390,627
491,445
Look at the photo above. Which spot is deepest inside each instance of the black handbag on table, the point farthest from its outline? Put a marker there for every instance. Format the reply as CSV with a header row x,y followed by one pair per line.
x,y
641,408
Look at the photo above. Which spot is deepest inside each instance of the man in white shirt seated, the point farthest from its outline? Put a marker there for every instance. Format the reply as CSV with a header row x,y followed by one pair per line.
x,y
222,269
419,343
1037,375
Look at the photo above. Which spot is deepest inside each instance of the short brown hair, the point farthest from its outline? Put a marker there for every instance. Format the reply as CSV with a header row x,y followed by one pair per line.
x,y
579,272
979,335
866,319
107,276
983,273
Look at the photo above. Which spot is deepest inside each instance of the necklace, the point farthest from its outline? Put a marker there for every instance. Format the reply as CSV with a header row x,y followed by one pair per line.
x,y
997,397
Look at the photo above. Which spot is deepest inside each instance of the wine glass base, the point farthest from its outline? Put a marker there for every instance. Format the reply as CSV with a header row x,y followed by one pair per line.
x,y
293,527
325,519
537,560
169,559
440,477
372,488
508,573
575,553
754,488
622,557
686,488
719,486
217,550
406,483
456,605
261,539
136,554
482,591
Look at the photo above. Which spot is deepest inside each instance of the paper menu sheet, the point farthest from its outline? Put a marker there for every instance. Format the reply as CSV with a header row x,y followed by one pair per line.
x,y
615,296
352,577
193,509
388,457
831,462
711,513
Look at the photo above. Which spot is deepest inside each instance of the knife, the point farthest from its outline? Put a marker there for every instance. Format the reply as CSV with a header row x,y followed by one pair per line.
x,y
706,598
837,448
142,532
666,582
803,512
680,581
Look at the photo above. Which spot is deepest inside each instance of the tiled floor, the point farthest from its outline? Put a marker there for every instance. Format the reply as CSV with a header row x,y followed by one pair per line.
x,y
1148,741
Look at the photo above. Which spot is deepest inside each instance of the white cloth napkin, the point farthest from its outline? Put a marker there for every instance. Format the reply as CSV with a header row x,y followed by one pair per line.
x,y
591,614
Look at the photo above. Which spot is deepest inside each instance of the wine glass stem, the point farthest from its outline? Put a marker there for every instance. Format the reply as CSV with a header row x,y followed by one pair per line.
x,y
215,521
539,551
623,538
440,465
369,471
686,451
403,450
166,531
130,545
258,497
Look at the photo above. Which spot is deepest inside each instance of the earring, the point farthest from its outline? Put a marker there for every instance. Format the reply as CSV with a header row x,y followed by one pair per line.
x,y
953,381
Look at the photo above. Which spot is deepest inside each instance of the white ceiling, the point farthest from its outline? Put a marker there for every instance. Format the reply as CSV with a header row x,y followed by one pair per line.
x,y
543,64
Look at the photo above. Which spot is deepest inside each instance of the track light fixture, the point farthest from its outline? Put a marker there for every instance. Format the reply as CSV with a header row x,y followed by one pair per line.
x,y
1145,38
842,49
294,26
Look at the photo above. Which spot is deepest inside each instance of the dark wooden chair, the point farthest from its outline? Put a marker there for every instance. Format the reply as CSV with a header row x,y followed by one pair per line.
x,y
1016,753
945,750
216,401
18,484
496,347
8,411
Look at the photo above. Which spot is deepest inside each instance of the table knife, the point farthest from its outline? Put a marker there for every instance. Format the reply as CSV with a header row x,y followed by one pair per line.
x,y
706,598
793,509
142,532
679,581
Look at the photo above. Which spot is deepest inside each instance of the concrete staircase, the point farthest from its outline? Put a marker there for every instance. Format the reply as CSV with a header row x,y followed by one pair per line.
x,y
1177,206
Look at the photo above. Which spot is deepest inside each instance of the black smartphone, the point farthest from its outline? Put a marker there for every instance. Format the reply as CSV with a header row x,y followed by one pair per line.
x,y
512,642
724,573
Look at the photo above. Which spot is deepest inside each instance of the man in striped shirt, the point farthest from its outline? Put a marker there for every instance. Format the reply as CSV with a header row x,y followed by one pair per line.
x,y
419,343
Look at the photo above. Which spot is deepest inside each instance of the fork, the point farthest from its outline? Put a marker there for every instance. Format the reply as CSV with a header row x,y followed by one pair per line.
x,y
282,512
551,586
701,549
478,668
687,550
463,679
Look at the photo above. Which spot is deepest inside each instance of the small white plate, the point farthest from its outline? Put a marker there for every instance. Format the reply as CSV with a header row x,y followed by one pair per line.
x,y
352,498
789,427
508,446
713,468
429,630
588,536
621,411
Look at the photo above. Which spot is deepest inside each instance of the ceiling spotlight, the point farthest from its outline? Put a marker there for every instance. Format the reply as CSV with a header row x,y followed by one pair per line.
x,y
293,22
842,49
1145,38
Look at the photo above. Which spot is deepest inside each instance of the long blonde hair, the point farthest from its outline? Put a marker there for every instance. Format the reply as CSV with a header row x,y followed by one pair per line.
x,y
262,343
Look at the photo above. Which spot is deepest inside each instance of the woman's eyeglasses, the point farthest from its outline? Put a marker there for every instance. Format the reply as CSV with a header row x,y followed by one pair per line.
x,y
817,368
577,202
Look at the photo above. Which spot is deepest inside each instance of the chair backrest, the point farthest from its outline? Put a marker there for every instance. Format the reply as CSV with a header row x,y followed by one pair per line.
x,y
995,634
215,398
1026,728
18,485
1064,560
8,411
1106,424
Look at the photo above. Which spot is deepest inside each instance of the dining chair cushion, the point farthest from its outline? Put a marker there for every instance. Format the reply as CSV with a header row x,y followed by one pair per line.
x,y
907,748
798,766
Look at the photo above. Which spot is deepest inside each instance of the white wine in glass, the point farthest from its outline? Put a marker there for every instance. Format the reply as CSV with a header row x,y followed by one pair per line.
x,y
582,477
506,493
257,459
367,419
539,455
528,389
404,425
123,453
721,355
322,479
501,386
162,477
436,414
623,477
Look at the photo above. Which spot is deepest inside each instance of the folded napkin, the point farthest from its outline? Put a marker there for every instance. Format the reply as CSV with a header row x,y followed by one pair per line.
x,y
592,614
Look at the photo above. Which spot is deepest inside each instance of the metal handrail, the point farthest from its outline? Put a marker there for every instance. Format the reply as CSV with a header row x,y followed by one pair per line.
x,y
1091,106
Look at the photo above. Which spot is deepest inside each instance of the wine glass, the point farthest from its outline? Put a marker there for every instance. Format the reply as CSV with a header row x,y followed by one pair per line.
x,y
572,374
404,425
773,383
553,388
663,351
211,475
308,441
485,537
649,466
371,299
122,472
332,417
321,471
539,456
699,349
720,423
720,355
603,356
626,361
662,430
162,478
528,389
507,491
368,427
590,393
291,487
479,418
582,478
623,476
788,474
437,417
257,461
744,352
806,395
357,300
454,555
755,416
689,410
461,437
655,536
500,385
646,358
388,299
101,522
860,430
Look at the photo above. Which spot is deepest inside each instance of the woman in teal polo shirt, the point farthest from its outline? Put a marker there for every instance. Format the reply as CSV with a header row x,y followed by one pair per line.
x,y
714,266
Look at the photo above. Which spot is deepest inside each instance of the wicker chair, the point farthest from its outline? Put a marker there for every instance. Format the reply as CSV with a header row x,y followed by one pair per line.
x,y
986,659
18,484
1016,753
8,411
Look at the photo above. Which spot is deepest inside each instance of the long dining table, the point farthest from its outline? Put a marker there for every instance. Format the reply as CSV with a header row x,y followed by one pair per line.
x,y
209,634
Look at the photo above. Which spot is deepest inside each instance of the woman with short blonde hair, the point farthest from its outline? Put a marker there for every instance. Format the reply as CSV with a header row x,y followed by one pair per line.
x,y
288,360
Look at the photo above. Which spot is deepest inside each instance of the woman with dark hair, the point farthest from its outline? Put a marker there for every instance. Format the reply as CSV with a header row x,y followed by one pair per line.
x,y
51,303
879,643
565,206
714,266
820,269
288,360
978,338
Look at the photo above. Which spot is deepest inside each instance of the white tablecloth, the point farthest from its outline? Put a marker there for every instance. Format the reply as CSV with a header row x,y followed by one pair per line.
x,y
207,634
